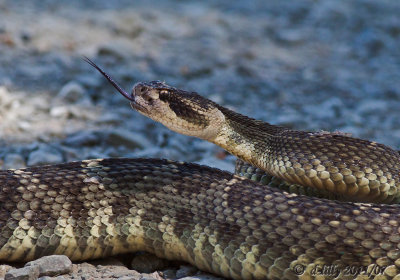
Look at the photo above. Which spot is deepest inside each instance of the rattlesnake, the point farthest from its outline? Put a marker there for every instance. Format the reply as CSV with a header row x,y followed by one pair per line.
x,y
219,222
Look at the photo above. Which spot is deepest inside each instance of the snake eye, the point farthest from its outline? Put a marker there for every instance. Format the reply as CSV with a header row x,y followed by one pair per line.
x,y
164,91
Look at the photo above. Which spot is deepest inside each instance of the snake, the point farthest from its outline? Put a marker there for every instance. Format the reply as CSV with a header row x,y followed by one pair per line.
x,y
320,206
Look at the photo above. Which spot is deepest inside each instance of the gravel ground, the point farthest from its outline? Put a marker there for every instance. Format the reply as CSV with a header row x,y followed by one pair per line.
x,y
314,65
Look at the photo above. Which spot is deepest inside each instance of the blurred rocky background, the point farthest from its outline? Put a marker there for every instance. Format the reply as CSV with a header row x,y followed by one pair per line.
x,y
312,65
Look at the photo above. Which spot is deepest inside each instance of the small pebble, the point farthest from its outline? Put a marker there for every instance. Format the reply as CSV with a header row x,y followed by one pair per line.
x,y
24,273
169,274
44,155
152,276
72,92
128,278
60,111
14,161
185,271
5,97
110,49
122,137
53,278
82,138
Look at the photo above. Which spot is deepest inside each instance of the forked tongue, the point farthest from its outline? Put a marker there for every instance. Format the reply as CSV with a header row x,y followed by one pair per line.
x,y
123,92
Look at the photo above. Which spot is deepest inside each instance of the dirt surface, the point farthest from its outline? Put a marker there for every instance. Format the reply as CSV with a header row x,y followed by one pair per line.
x,y
313,65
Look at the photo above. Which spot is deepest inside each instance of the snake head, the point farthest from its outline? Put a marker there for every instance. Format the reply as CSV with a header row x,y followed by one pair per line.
x,y
181,111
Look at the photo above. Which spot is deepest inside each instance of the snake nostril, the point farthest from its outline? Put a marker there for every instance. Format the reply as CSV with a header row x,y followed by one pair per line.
x,y
143,91
139,89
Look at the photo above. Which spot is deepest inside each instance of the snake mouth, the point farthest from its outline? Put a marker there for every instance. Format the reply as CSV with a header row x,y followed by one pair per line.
x,y
136,106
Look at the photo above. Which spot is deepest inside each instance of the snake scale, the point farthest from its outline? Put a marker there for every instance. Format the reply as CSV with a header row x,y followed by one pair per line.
x,y
219,222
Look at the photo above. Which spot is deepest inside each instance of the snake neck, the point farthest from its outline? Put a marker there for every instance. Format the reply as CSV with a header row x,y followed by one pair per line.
x,y
246,138
354,168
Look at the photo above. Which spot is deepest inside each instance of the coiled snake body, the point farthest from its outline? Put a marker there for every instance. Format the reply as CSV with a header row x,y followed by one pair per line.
x,y
219,222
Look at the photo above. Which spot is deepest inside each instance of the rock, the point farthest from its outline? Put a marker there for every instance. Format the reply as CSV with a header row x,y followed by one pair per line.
x,y
289,36
125,274
202,277
25,36
151,276
122,137
112,269
53,278
4,268
110,118
186,270
44,155
52,265
60,111
372,107
169,274
72,92
82,138
5,97
24,125
14,161
148,278
368,43
89,80
83,268
329,109
147,263
129,278
25,273
72,153
111,49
